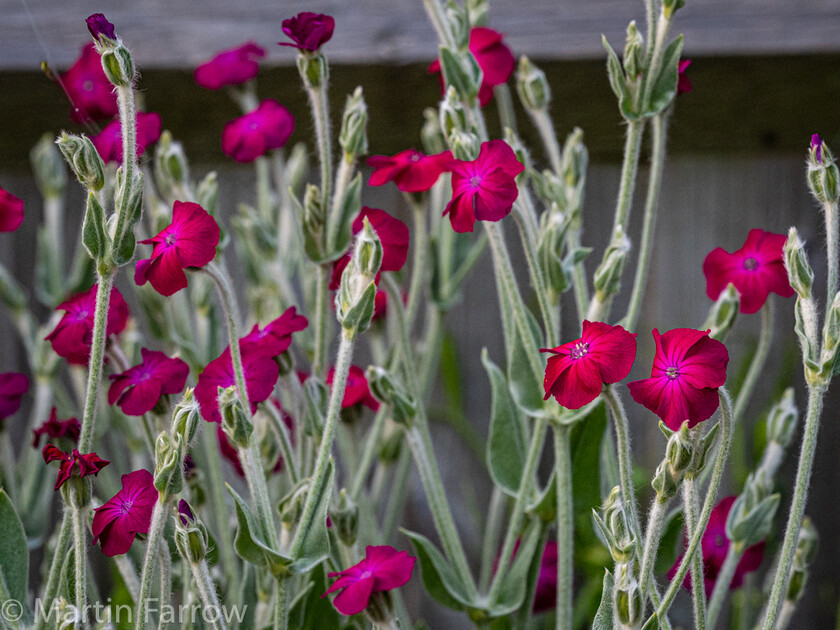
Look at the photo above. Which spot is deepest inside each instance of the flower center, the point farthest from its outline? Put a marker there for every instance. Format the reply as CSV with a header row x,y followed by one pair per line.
x,y
415,157
719,541
170,239
475,181
672,372
750,264
580,350
87,86
125,508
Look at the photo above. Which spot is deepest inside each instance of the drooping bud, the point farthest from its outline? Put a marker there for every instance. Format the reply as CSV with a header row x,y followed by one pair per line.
x,y
50,172
388,390
345,519
353,136
235,422
169,464
313,69
634,52
83,159
172,171
823,176
608,274
799,272
723,312
532,86
782,420
191,536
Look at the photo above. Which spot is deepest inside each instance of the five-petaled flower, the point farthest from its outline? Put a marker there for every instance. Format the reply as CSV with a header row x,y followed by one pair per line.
x,y
683,82
382,569
410,170
189,241
230,67
11,211
138,389
91,94
308,31
276,337
577,370
248,137
126,514
756,269
688,368
56,429
108,142
13,386
83,463
357,390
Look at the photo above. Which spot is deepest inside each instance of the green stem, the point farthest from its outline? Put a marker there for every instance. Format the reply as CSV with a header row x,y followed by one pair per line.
x,y
207,593
692,525
653,534
832,226
128,129
59,555
321,117
492,530
346,167
538,281
284,439
663,27
565,526
434,9
281,608
322,321
152,547
547,134
418,266
625,464
629,170
397,496
80,557
722,584
128,573
504,103
759,359
165,567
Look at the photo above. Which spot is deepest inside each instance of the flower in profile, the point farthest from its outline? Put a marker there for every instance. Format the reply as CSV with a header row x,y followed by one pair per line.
x,y
683,82
11,211
82,463
126,514
577,370
357,391
382,569
276,337
308,31
484,189
189,241
98,25
756,269
248,137
13,386
56,429
91,94
108,142
715,545
688,368
72,336
138,389
410,170
230,67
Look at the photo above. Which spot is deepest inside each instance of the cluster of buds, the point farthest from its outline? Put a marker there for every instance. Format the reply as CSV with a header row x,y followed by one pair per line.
x,y
460,135
191,536
532,86
685,457
354,302
171,448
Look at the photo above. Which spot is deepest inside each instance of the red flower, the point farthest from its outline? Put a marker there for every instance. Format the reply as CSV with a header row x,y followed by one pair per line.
x,y
85,464
57,429
410,170
383,569
356,392
138,389
189,241
230,67
126,514
688,368
276,337
98,25
73,335
91,94
13,386
11,211
248,137
579,368
108,142
683,82
309,31
493,57
756,269
484,189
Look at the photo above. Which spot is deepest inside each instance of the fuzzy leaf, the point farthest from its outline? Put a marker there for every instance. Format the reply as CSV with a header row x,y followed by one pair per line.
x,y
94,235
665,85
315,541
618,82
604,617
545,505
250,543
351,205
439,578
514,583
14,555
525,386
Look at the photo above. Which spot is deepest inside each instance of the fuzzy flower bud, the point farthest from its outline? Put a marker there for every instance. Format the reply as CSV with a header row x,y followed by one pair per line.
x,y
465,145
314,69
782,420
431,134
313,210
461,72
806,551
345,519
823,176
353,135
634,52
356,296
627,596
723,312
118,65
799,271
207,193
191,536
532,86
608,274
50,172
186,417
615,528
83,159
575,159
831,337
750,519
169,478
235,422
101,29
452,114
172,171
389,391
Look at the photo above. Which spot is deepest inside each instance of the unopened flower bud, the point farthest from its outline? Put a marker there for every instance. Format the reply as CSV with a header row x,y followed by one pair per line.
x,y
532,86
575,159
186,417
317,399
723,312
356,297
207,193
628,601
608,274
664,483
169,464
101,29
345,519
388,390
48,167
83,159
799,271
313,68
461,72
634,52
823,177
750,519
367,254
353,135
465,145
806,550
172,171
782,420
452,114
431,133
614,526
313,211
191,536
679,451
458,22
669,7
391,442
118,66
235,422
549,187
831,337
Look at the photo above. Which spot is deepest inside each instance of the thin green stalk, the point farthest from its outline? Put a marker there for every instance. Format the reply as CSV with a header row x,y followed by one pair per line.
x,y
54,576
625,465
650,16
473,254
165,568
653,534
722,584
538,281
128,129
565,526
692,525
284,439
224,535
547,134
80,556
504,103
128,573
207,593
152,547
490,543
398,494
654,67
322,321
369,451
629,171
832,229
418,266
281,607
758,361
319,104
346,167
264,202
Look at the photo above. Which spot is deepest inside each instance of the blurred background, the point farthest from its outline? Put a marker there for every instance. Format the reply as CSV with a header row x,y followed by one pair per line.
x,y
765,75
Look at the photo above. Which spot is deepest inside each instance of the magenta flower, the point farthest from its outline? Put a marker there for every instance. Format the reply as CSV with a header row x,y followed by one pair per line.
x,y
688,368
108,142
383,569
816,147
138,389
683,82
83,464
185,513
189,241
11,211
756,269
715,546
126,514
578,369
357,391
484,189
91,94
98,25
13,386
230,67
276,337
410,170
248,137
308,31
56,429
72,336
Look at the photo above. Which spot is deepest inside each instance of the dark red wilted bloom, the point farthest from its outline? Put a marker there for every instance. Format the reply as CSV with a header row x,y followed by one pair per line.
x,y
85,464
73,335
126,514
715,546
382,569
11,211
108,142
484,189
138,389
683,82
276,337
248,137
99,25
357,391
230,67
308,31
91,94
577,370
410,170
816,147
756,269
189,241
688,368
56,429
13,386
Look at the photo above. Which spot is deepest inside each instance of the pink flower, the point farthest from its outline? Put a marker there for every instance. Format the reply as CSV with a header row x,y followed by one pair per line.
x,y
683,82
230,67
383,569
91,94
11,211
484,189
493,57
715,546
108,142
138,389
688,368
13,386
126,514
357,391
84,464
410,170
308,31
189,241
248,137
98,25
276,337
756,269
56,429
72,336
578,369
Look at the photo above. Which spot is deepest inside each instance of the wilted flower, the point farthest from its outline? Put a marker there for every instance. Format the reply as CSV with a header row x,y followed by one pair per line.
x,y
57,429
83,463
267,127
138,389
126,514
230,67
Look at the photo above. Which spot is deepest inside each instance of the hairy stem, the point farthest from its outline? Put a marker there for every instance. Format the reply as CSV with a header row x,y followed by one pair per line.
x,y
565,526
692,525
152,547
722,583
